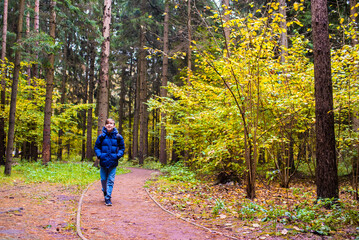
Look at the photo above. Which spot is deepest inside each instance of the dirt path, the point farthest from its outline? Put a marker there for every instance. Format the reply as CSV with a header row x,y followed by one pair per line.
x,y
133,214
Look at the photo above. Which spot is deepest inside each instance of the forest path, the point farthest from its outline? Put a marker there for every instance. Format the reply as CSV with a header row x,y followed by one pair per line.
x,y
133,214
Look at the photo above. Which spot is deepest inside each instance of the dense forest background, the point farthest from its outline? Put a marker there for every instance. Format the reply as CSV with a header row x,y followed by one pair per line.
x,y
225,86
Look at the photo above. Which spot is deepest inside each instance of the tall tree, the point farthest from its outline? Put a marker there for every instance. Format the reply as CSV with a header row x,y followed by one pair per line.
x,y
142,152
89,151
63,97
226,29
121,109
326,170
103,106
46,145
283,26
36,29
3,85
11,131
163,91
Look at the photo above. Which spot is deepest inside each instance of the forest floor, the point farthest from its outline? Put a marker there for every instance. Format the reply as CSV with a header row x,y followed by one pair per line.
x,y
48,211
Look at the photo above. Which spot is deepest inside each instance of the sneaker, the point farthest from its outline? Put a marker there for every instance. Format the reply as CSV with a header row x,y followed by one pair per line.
x,y
108,202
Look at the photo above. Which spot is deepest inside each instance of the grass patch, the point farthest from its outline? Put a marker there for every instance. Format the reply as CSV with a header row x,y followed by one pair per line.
x,y
70,173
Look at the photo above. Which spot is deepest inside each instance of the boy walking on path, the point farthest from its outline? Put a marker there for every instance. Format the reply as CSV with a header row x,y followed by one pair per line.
x,y
109,148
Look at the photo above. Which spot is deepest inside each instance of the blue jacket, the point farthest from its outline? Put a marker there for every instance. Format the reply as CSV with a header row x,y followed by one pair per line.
x,y
109,148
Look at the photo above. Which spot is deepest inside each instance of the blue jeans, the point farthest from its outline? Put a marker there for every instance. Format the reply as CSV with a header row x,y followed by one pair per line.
x,y
107,180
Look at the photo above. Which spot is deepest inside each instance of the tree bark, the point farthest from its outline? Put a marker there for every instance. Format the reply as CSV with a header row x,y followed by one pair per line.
x,y
163,91
283,35
326,170
89,148
46,146
130,110
103,107
121,109
142,152
36,29
353,18
3,85
136,119
62,99
225,5
11,132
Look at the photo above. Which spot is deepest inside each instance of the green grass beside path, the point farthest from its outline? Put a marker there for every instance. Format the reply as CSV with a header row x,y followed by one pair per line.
x,y
66,173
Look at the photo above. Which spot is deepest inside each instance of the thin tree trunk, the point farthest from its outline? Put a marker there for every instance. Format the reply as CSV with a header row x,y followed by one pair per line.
x,y
189,62
353,18
283,26
121,109
130,110
3,85
326,170
11,132
226,29
136,119
355,164
163,91
89,148
143,95
62,99
46,146
103,107
36,28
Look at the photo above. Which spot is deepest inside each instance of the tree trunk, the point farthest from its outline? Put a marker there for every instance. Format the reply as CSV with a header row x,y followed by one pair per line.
x,y
46,146
62,99
103,107
11,132
163,91
121,109
355,163
226,29
130,110
326,170
36,28
136,119
283,35
353,17
3,85
189,63
89,148
143,96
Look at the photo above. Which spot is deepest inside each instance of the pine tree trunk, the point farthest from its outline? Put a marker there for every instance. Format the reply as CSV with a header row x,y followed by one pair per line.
x,y
136,119
62,99
130,111
89,148
3,85
121,109
326,170
163,91
103,104
11,132
35,67
355,163
46,146
142,152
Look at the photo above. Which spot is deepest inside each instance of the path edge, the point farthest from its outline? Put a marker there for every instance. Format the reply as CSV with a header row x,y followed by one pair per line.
x,y
78,216
186,220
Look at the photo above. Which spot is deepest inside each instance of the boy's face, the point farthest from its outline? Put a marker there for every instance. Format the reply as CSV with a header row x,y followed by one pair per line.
x,y
110,125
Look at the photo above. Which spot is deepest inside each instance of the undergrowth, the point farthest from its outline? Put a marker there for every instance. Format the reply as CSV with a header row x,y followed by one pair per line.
x,y
295,209
69,173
